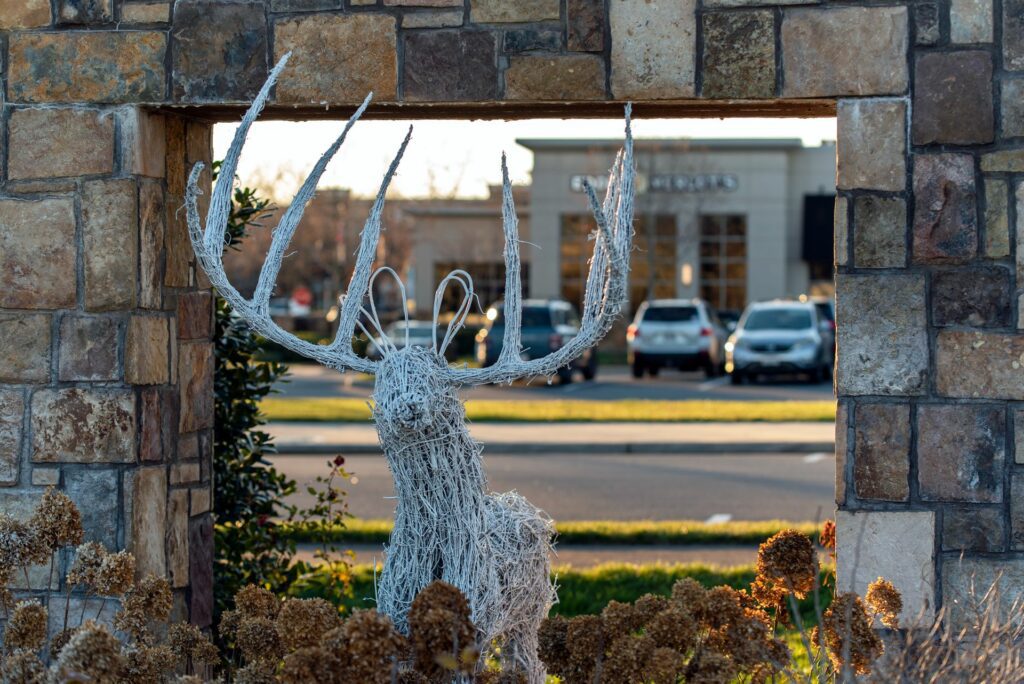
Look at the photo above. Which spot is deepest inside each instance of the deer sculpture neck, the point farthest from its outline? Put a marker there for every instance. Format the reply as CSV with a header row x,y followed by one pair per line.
x,y
493,547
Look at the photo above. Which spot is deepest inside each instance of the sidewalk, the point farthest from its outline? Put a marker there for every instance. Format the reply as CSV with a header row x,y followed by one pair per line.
x,y
589,438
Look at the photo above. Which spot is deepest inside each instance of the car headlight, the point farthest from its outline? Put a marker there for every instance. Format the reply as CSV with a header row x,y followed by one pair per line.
x,y
804,345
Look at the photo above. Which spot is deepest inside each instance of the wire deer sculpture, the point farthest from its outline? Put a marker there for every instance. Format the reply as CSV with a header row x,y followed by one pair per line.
x,y
493,547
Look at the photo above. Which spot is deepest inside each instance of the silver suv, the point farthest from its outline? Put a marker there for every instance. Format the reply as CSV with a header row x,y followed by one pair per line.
x,y
779,337
678,333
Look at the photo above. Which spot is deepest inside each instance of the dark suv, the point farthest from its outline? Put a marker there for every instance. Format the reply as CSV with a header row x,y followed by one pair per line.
x,y
547,324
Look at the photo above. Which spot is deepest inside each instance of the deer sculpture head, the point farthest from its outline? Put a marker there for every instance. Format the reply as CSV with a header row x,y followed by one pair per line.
x,y
494,547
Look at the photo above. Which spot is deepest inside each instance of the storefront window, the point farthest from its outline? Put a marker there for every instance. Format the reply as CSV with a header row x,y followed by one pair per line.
x,y
723,260
488,282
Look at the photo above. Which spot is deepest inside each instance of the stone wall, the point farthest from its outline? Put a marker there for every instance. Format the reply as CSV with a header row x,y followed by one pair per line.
x,y
95,265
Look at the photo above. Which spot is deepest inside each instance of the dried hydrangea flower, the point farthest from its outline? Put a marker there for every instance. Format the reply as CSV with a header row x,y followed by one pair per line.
x,y
257,671
256,602
674,628
553,650
116,574
148,601
257,640
585,641
22,667
689,595
57,521
303,622
708,667
621,618
411,677
828,535
188,642
19,546
788,561
228,627
885,601
59,640
649,605
439,625
307,665
626,659
26,628
367,646
846,627
664,666
88,559
92,652
149,663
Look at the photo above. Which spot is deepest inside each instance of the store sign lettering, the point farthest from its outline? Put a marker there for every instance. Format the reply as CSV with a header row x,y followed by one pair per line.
x,y
666,182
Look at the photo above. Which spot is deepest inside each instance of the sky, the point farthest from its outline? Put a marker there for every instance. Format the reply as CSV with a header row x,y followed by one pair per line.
x,y
455,158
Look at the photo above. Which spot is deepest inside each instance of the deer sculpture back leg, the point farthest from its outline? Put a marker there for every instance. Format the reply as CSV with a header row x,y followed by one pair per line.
x,y
493,547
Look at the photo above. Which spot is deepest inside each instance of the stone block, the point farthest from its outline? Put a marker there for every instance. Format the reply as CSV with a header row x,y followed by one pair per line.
x,y
97,493
24,347
757,3
195,372
739,54
177,537
979,364
945,208
304,5
978,297
841,232
1013,35
844,51
12,410
872,144
200,538
195,316
450,66
442,19
77,425
147,350
524,40
37,254
586,20
101,610
896,545
89,349
997,224
158,424
880,232
185,473
149,521
109,235
419,3
970,21
1012,107
566,77
953,98
87,66
71,12
344,55
883,340
881,464
152,212
146,12
842,447
1016,509
518,12
973,529
201,500
960,453
25,14
927,25
143,142
220,50
966,580
1005,161
655,48
48,143
45,477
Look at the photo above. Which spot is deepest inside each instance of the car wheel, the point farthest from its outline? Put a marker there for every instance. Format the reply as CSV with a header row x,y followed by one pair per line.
x,y
638,370
736,378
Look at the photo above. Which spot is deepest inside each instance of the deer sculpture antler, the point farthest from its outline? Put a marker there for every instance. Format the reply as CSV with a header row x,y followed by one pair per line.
x,y
493,547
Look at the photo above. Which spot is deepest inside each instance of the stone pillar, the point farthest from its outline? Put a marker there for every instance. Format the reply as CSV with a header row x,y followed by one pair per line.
x,y
106,363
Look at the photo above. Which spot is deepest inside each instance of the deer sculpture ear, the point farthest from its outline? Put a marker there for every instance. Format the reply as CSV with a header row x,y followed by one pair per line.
x,y
465,281
378,338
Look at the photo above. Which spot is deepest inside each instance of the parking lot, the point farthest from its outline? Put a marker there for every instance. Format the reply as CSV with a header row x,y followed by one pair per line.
x,y
613,382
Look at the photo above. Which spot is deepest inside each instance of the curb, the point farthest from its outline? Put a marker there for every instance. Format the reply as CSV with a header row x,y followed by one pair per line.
x,y
538,448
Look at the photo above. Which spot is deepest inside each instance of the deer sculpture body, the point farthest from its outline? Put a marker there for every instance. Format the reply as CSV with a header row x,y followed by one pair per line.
x,y
493,547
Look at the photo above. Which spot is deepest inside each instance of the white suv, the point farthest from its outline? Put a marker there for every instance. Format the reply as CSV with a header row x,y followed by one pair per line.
x,y
681,333
779,337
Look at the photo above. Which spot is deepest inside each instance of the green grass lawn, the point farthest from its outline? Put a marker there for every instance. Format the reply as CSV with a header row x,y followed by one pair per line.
x,y
597,532
345,410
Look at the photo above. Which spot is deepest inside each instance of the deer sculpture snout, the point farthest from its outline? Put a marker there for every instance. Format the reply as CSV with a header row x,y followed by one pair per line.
x,y
413,411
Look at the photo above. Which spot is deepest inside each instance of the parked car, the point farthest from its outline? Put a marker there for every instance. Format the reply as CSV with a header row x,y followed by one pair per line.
x,y
678,333
547,325
827,320
420,335
779,337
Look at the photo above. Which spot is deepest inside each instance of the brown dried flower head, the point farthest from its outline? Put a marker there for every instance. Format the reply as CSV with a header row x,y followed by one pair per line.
x,y
367,645
92,652
88,560
19,546
621,618
885,601
188,642
22,667
788,561
828,535
57,521
307,665
665,666
439,625
649,605
149,663
256,602
689,595
257,640
674,628
59,640
709,667
116,574
552,646
846,627
148,601
302,623
627,658
258,671
27,627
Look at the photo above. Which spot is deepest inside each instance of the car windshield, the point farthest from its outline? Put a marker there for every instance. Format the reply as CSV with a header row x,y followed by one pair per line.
x,y
670,314
824,310
533,317
778,319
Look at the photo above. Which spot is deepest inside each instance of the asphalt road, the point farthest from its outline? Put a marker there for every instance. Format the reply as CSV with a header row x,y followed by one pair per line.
x,y
620,487
613,382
